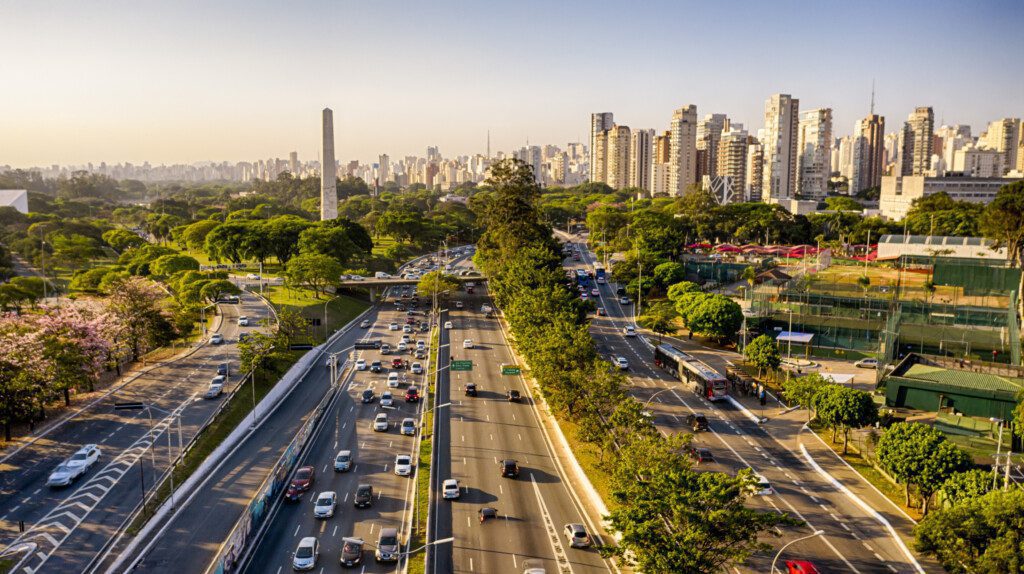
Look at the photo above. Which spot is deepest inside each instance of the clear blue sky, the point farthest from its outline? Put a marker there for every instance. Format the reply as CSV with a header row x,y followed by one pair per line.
x,y
188,81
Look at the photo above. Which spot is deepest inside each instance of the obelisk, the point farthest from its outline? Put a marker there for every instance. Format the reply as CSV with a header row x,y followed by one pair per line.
x,y
329,172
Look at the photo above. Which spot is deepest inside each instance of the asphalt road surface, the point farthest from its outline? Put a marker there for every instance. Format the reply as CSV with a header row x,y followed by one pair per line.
x,y
475,433
853,540
66,527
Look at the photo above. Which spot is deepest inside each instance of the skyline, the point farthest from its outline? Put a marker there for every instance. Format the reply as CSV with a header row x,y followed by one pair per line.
x,y
239,81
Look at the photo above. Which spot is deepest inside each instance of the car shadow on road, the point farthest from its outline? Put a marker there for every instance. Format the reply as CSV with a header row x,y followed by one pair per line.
x,y
476,496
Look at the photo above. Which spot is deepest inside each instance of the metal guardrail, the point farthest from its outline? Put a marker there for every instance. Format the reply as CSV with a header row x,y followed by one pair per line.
x,y
251,520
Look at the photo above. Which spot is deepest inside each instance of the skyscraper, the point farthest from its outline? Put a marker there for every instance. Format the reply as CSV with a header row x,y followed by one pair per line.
x,y
683,164
731,158
661,164
599,123
780,145
709,131
640,160
599,157
617,157
755,169
329,171
868,153
1003,136
384,169
814,145
293,163
917,141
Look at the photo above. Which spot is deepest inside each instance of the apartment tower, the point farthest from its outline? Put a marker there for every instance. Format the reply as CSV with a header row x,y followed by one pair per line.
x,y
599,124
683,163
868,159
917,140
640,159
814,153
617,158
780,147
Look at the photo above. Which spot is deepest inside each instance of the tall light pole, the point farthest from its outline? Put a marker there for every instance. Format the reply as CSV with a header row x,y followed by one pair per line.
x,y
812,535
999,445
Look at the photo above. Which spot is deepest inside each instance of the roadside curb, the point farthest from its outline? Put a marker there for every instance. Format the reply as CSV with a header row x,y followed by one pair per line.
x,y
241,433
863,505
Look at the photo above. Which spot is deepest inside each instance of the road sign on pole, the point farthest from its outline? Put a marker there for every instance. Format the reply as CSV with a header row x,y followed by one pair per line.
x,y
462,365
511,370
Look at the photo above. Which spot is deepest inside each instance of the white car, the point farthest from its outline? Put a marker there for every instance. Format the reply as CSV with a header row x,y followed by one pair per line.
x,y
343,461
252,276
448,325
324,505
393,379
458,304
867,363
763,487
365,324
629,331
403,465
402,347
243,321
450,489
387,399
622,363
406,338
84,458
416,368
577,536
421,345
63,475
381,424
306,554
467,344
392,326
361,365
216,339
407,328
624,300
595,293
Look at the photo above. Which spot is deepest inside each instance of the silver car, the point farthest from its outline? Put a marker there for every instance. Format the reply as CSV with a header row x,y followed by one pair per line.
x,y
324,505
343,461
306,554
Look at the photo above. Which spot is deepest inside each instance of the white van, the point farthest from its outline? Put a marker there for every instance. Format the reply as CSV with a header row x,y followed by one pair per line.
x,y
381,275
216,387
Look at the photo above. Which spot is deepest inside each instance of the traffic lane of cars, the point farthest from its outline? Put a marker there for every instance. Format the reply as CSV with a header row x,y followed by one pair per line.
x,y
373,456
768,458
100,425
487,429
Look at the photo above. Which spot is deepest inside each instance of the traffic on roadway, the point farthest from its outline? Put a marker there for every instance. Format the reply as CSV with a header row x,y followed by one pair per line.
x,y
726,439
79,480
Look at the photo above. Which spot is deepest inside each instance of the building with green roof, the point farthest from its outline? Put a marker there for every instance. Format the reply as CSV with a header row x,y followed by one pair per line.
x,y
938,384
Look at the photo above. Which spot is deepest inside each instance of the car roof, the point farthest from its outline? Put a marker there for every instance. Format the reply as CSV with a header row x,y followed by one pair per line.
x,y
388,532
451,481
341,452
328,493
307,541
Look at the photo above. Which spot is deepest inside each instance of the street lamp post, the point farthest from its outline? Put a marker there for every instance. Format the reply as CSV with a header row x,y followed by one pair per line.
x,y
999,445
812,535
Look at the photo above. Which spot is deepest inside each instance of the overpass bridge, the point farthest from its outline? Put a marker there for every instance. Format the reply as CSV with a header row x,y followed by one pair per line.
x,y
375,286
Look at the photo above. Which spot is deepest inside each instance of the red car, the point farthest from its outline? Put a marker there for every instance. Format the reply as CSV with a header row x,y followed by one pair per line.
x,y
397,364
303,480
412,395
800,567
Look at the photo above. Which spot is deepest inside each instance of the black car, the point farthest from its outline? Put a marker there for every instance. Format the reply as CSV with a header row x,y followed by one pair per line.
x,y
352,552
697,422
620,291
700,455
509,469
376,367
470,389
364,496
368,395
512,395
222,369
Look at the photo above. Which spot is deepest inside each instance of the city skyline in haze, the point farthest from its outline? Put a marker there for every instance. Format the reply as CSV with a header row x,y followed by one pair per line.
x,y
235,81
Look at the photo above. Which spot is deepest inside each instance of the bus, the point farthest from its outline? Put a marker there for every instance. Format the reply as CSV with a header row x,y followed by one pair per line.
x,y
582,278
599,274
706,381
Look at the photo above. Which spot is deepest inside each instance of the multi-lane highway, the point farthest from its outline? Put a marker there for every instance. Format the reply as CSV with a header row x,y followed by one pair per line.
x,y
348,425
66,527
473,435
853,541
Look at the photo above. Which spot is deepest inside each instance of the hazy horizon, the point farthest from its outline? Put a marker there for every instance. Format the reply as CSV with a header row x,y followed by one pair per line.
x,y
240,81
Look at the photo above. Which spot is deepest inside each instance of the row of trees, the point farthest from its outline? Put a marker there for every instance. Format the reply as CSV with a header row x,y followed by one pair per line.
x,y
672,519
62,350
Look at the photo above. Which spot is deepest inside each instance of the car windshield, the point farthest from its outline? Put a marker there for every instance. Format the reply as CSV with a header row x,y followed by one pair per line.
x,y
388,540
303,474
343,458
304,552
61,468
351,547
79,456
324,501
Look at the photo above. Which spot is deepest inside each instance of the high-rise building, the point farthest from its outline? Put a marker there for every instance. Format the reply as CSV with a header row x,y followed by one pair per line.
x,y
814,152
329,172
709,131
979,161
618,138
683,164
663,147
732,158
867,163
599,123
917,141
661,164
755,169
780,147
599,157
1003,136
952,139
641,150
293,163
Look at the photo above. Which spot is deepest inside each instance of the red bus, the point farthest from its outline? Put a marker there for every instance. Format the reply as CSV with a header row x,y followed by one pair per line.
x,y
705,381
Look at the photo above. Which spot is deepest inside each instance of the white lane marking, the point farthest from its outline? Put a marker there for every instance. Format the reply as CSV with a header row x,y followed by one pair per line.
x,y
845,527
297,526
335,531
561,558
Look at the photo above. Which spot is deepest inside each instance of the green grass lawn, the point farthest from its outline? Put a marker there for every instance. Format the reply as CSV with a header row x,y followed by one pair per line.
x,y
340,309
417,562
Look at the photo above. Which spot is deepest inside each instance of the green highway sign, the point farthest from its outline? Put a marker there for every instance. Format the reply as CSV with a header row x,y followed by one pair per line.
x,y
510,370
462,365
